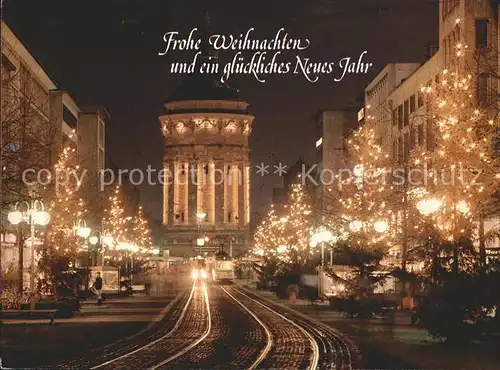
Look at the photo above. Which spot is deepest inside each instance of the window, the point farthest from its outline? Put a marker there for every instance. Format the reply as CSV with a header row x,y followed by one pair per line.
x,y
69,117
406,145
420,100
400,148
101,159
8,69
482,89
445,48
481,33
182,216
205,169
394,149
229,216
406,113
412,103
412,137
430,136
101,133
319,142
400,117
183,169
361,114
420,136
394,117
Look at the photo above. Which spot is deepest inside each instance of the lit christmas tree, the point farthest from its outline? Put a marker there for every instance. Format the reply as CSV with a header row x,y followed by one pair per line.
x,y
66,206
297,225
362,202
464,178
114,222
141,231
269,238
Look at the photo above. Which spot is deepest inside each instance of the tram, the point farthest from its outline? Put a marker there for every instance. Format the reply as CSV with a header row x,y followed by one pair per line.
x,y
199,269
223,268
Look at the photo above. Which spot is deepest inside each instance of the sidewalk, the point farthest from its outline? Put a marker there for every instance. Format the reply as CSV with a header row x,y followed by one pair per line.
x,y
38,343
396,345
130,309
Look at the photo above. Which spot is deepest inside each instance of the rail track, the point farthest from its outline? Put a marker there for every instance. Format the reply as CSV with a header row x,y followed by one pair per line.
x,y
188,325
335,350
231,327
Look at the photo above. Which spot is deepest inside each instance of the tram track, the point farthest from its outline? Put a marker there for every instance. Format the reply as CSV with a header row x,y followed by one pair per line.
x,y
188,326
232,327
169,317
291,346
335,351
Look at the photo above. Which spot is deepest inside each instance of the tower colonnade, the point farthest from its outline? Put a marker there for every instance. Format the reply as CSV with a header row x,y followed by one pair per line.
x,y
207,176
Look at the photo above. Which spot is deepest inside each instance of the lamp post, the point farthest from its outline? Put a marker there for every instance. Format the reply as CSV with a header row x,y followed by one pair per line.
x,y
322,237
102,240
427,207
200,216
33,215
83,231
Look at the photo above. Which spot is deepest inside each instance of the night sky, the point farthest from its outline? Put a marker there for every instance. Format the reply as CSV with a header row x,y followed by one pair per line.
x,y
105,52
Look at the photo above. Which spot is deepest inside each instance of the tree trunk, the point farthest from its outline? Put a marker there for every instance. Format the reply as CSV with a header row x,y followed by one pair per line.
x,y
404,252
482,244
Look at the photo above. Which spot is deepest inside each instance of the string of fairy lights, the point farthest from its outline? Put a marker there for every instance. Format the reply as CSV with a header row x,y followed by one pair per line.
x,y
459,175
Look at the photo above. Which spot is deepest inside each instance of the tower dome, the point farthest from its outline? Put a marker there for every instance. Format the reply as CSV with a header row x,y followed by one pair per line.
x,y
206,197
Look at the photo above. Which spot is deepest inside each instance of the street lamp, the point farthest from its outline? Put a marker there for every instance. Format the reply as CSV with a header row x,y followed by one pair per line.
x,y
281,249
200,216
81,229
355,226
321,237
381,226
427,207
33,215
102,239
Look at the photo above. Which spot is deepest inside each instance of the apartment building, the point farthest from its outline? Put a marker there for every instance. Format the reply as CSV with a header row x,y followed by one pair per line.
x,y
92,123
332,128
393,102
394,106
38,121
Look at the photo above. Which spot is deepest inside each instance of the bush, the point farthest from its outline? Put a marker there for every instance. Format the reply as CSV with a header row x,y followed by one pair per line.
x,y
46,305
308,292
10,299
355,308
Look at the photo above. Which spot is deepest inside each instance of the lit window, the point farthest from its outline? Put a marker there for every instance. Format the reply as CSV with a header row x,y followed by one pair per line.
x,y
319,142
361,114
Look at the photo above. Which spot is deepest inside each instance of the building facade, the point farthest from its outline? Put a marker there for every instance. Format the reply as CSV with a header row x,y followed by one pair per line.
x,y
33,136
394,106
92,123
333,126
206,198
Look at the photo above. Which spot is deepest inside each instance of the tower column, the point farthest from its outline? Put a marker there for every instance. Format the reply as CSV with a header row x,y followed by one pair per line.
x,y
219,180
193,185
241,194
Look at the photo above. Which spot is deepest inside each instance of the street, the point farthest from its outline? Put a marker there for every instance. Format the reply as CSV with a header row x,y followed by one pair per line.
x,y
226,327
